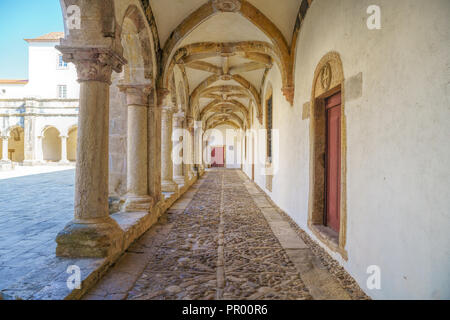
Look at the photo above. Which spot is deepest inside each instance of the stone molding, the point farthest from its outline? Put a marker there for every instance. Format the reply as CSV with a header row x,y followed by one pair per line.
x,y
137,94
93,64
226,5
178,119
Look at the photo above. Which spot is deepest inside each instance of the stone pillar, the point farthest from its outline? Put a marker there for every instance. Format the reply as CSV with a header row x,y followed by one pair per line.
x,y
192,166
178,141
138,198
5,141
29,135
189,148
39,152
167,184
156,100
92,233
64,150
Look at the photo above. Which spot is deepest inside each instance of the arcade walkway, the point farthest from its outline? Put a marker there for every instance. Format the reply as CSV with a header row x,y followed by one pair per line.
x,y
224,240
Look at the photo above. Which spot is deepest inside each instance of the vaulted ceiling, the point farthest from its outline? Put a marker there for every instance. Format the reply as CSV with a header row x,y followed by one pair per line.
x,y
224,49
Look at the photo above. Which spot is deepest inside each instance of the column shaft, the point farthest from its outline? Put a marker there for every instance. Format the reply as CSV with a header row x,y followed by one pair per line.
x,y
168,185
178,150
5,141
154,146
64,149
138,198
92,233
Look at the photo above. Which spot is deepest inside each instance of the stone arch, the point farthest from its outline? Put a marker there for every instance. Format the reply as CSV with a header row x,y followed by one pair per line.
x,y
182,95
249,12
228,117
16,143
72,135
51,144
304,7
328,80
267,97
136,41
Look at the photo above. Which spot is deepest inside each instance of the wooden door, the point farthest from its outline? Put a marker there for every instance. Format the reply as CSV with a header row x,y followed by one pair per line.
x,y
253,159
217,157
333,156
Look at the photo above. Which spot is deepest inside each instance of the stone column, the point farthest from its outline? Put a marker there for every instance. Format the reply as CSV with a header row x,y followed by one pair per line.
x,y
138,198
167,184
198,146
189,148
64,150
29,135
5,141
92,233
178,141
39,152
156,100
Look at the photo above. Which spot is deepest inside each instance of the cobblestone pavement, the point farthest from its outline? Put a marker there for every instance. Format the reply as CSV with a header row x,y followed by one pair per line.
x,y
33,209
223,241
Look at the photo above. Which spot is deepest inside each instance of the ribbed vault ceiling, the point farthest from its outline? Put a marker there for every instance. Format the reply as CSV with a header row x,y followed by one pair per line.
x,y
223,81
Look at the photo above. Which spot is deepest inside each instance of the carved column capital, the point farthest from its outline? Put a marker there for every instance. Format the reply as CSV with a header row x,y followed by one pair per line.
x,y
137,94
190,123
288,93
162,94
178,119
168,110
93,64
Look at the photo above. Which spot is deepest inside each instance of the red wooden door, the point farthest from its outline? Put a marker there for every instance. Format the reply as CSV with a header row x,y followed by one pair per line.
x,y
333,173
217,157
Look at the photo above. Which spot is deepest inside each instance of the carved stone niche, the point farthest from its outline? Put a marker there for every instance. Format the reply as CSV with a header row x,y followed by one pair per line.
x,y
226,5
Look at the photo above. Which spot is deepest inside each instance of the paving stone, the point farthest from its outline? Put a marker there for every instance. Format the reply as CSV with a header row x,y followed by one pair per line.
x,y
33,209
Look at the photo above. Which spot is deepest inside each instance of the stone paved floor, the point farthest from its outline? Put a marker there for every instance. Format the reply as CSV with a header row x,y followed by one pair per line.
x,y
33,209
222,240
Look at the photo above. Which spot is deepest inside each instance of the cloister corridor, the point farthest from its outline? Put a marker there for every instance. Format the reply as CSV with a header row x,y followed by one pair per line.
x,y
224,240
235,149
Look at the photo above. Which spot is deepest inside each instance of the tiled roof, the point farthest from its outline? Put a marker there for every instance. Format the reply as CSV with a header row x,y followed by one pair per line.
x,y
9,81
49,37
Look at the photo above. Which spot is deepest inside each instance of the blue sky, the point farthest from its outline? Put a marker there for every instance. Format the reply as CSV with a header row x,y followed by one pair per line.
x,y
20,19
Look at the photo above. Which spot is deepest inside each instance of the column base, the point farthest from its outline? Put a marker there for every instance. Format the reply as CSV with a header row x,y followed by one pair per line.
x,y
31,163
99,238
64,162
180,180
169,186
5,165
138,203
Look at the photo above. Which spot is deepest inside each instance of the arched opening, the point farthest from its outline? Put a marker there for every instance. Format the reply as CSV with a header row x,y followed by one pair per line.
x,y
72,144
16,145
51,145
327,214
269,133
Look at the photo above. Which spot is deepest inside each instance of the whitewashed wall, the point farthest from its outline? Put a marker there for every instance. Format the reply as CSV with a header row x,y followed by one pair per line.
x,y
397,139
44,76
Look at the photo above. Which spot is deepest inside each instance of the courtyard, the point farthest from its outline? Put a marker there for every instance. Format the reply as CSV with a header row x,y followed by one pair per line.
x,y
35,204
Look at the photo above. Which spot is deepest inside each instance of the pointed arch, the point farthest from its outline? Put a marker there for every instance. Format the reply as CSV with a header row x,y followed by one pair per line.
x,y
249,12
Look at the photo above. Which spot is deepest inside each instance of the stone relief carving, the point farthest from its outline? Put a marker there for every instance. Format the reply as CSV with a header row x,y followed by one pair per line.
x,y
226,5
325,76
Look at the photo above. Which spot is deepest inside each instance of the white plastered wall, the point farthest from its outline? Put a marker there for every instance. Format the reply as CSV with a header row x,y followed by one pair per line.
x,y
397,140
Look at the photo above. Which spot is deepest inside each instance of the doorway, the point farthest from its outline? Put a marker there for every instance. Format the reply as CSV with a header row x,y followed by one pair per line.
x,y
333,162
218,157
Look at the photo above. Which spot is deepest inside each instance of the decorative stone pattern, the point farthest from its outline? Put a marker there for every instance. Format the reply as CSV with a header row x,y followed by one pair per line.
x,y
93,64
216,243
